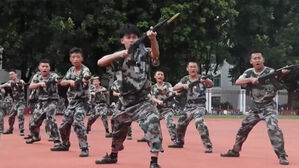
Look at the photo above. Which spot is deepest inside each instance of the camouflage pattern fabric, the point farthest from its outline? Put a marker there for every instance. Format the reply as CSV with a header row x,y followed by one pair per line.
x,y
74,116
18,90
79,93
263,108
44,110
18,95
2,112
99,101
161,92
196,92
260,93
133,76
99,110
134,88
144,111
46,106
196,112
8,102
77,108
51,91
194,109
166,112
17,110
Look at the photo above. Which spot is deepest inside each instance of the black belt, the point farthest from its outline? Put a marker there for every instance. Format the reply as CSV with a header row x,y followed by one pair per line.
x,y
196,101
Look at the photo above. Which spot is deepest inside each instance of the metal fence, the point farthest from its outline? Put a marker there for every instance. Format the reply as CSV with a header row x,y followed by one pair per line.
x,y
236,102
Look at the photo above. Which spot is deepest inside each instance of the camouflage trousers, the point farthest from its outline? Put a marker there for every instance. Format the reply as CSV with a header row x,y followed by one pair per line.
x,y
147,113
74,115
44,110
99,110
17,110
167,115
196,112
268,113
2,114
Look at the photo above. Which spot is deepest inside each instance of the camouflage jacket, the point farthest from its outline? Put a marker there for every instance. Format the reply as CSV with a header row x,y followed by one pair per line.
x,y
163,92
50,92
115,86
133,75
260,93
98,94
195,92
2,100
80,92
8,101
18,90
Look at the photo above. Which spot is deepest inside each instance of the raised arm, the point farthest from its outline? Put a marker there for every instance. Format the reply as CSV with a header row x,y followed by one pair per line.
x,y
107,59
154,44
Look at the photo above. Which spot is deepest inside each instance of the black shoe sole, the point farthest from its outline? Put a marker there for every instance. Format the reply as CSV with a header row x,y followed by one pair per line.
x,y
83,155
223,155
99,162
31,142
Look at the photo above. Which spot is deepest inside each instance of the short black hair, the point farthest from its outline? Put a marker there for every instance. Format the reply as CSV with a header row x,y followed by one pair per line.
x,y
159,70
12,70
46,61
76,50
255,51
192,62
128,29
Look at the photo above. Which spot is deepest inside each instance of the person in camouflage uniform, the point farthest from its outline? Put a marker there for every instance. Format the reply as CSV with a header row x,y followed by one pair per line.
x,y
45,84
263,108
133,74
18,94
33,98
162,95
32,101
77,78
195,109
117,107
2,109
6,103
99,100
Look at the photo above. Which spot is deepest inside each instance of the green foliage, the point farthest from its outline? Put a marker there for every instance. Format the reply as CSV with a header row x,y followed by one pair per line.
x,y
207,31
269,26
31,30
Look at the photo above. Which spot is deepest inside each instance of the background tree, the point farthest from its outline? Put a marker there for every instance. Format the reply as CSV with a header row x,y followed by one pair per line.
x,y
268,26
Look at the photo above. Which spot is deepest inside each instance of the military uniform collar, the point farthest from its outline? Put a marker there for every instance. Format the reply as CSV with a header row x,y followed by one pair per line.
x,y
258,73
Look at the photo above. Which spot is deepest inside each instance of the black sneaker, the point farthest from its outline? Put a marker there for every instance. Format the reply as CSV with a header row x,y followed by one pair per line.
x,y
28,137
84,152
22,133
209,150
230,153
60,147
176,145
155,165
142,140
107,159
108,135
129,137
88,129
32,140
51,139
9,131
283,160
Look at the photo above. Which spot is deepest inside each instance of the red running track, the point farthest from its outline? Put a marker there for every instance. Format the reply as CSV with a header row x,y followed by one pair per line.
x,y
257,151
